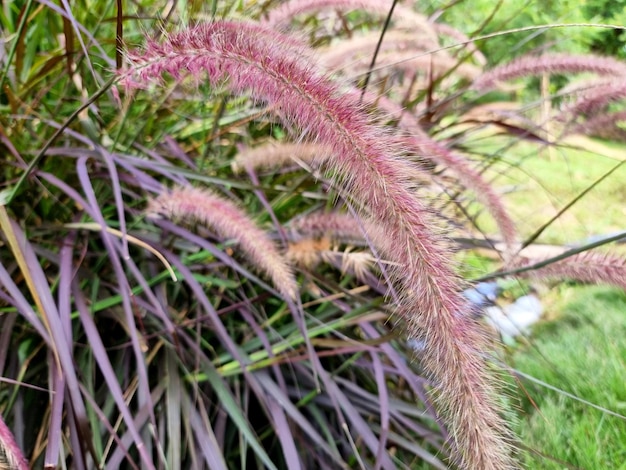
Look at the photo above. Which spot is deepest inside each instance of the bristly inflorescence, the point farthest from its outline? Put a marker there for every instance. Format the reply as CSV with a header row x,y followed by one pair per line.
x,y
277,155
552,64
368,171
335,225
591,266
201,205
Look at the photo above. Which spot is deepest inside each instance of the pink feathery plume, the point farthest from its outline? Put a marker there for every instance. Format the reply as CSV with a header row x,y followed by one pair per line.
x,y
188,203
279,154
599,124
590,266
409,61
550,63
596,99
334,225
360,47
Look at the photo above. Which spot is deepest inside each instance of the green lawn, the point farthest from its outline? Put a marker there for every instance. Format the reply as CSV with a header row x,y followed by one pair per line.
x,y
583,353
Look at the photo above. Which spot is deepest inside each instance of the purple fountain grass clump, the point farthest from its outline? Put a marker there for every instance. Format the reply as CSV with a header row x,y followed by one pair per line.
x,y
369,172
550,63
11,455
188,203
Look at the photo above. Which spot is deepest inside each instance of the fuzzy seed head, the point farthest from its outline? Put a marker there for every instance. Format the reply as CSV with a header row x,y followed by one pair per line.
x,y
193,204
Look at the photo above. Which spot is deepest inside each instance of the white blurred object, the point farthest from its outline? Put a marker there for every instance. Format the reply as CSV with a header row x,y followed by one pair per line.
x,y
515,319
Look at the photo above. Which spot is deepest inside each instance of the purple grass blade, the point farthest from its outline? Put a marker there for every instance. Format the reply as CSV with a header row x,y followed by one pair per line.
x,y
155,306
173,403
77,444
217,253
142,179
117,195
12,150
360,427
416,382
6,331
55,434
383,395
68,190
55,429
140,420
262,337
266,205
66,275
110,429
368,403
235,410
407,422
419,451
130,163
100,355
284,434
178,152
17,299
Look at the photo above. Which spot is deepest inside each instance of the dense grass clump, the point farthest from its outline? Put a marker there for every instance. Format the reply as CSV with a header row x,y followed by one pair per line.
x,y
230,235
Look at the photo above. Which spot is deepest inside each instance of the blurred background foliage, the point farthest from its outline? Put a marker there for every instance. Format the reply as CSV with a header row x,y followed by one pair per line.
x,y
483,17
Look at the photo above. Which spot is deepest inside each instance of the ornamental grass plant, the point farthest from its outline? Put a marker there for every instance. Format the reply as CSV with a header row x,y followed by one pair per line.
x,y
233,235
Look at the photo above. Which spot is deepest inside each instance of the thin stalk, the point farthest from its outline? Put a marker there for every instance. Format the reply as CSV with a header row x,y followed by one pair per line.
x,y
18,34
